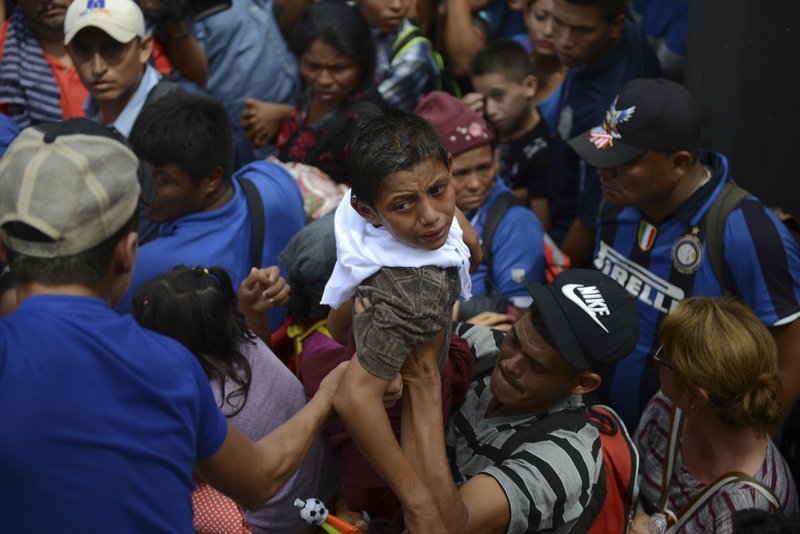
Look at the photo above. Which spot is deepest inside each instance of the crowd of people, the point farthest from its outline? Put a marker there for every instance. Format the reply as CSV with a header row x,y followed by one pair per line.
x,y
523,223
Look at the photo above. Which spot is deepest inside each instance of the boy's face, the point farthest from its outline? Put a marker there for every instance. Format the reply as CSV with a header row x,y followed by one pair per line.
x,y
581,34
415,206
508,103
385,15
176,195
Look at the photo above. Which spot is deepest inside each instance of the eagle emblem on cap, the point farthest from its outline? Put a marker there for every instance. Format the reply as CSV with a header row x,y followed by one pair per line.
x,y
603,136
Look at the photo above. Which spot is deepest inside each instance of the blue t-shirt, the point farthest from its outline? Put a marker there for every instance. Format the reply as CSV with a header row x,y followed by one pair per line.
x,y
586,96
102,421
662,263
666,24
8,132
222,237
247,56
517,250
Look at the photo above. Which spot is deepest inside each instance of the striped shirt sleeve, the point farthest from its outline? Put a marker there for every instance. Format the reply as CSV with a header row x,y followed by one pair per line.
x,y
548,482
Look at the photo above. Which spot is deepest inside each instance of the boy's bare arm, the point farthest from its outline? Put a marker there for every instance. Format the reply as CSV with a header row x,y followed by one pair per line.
x,y
339,322
359,404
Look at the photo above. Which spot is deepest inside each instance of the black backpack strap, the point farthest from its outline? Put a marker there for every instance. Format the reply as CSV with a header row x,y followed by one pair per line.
x,y
536,431
256,207
727,201
497,209
163,87
595,504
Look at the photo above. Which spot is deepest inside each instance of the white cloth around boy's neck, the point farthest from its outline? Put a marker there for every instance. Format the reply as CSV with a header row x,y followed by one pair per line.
x,y
362,249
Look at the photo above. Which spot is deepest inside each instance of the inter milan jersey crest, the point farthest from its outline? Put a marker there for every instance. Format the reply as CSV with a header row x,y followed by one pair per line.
x,y
687,252
647,235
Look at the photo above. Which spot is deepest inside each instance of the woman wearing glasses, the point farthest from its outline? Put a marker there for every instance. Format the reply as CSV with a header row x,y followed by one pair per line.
x,y
704,438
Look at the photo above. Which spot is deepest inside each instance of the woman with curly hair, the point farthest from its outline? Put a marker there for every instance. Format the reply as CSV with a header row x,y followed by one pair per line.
x,y
704,438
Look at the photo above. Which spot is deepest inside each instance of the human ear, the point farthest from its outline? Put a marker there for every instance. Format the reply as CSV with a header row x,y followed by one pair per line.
x,y
125,253
700,399
586,382
617,25
213,181
680,162
145,49
366,211
530,83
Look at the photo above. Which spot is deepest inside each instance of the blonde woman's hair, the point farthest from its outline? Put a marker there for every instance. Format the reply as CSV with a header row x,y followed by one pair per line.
x,y
719,345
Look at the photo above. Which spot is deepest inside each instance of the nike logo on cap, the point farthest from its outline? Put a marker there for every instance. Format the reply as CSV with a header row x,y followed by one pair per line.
x,y
589,300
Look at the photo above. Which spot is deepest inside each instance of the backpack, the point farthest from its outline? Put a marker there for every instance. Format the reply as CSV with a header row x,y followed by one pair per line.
x,y
555,259
615,496
408,38
728,199
613,501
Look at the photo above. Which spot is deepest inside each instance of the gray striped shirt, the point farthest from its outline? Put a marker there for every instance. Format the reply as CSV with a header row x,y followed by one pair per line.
x,y
547,482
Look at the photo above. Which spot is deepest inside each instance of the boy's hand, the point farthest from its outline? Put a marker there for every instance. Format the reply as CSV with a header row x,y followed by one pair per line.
x,y
472,240
475,101
421,365
261,290
394,391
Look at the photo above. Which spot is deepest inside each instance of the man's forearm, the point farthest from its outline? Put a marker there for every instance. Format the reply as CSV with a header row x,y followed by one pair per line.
x,y
185,53
462,39
579,243
250,472
422,437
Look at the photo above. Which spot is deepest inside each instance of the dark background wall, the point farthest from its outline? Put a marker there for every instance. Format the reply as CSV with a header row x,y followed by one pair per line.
x,y
744,70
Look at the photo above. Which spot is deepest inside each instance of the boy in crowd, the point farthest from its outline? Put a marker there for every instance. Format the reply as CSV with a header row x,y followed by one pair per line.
x,y
204,213
502,74
399,248
406,69
514,252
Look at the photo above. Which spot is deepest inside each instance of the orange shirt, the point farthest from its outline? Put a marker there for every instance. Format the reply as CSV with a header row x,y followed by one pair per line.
x,y
73,92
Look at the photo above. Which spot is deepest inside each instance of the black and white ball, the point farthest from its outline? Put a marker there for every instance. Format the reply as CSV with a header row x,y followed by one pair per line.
x,y
312,511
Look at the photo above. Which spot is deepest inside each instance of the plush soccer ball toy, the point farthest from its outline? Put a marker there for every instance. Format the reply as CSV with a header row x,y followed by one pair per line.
x,y
312,511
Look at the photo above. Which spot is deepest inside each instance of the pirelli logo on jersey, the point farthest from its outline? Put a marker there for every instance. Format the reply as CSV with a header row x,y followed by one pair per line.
x,y
650,289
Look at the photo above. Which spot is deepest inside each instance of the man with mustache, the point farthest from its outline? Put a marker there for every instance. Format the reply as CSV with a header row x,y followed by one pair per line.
x,y
106,42
483,477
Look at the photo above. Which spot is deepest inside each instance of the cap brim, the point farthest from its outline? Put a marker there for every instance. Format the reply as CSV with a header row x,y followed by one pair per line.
x,y
615,154
558,325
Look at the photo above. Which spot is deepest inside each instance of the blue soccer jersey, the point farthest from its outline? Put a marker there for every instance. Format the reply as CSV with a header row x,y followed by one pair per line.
x,y
660,264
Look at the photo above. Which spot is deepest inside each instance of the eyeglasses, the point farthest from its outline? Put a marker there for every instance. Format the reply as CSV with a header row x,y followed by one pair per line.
x,y
660,358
